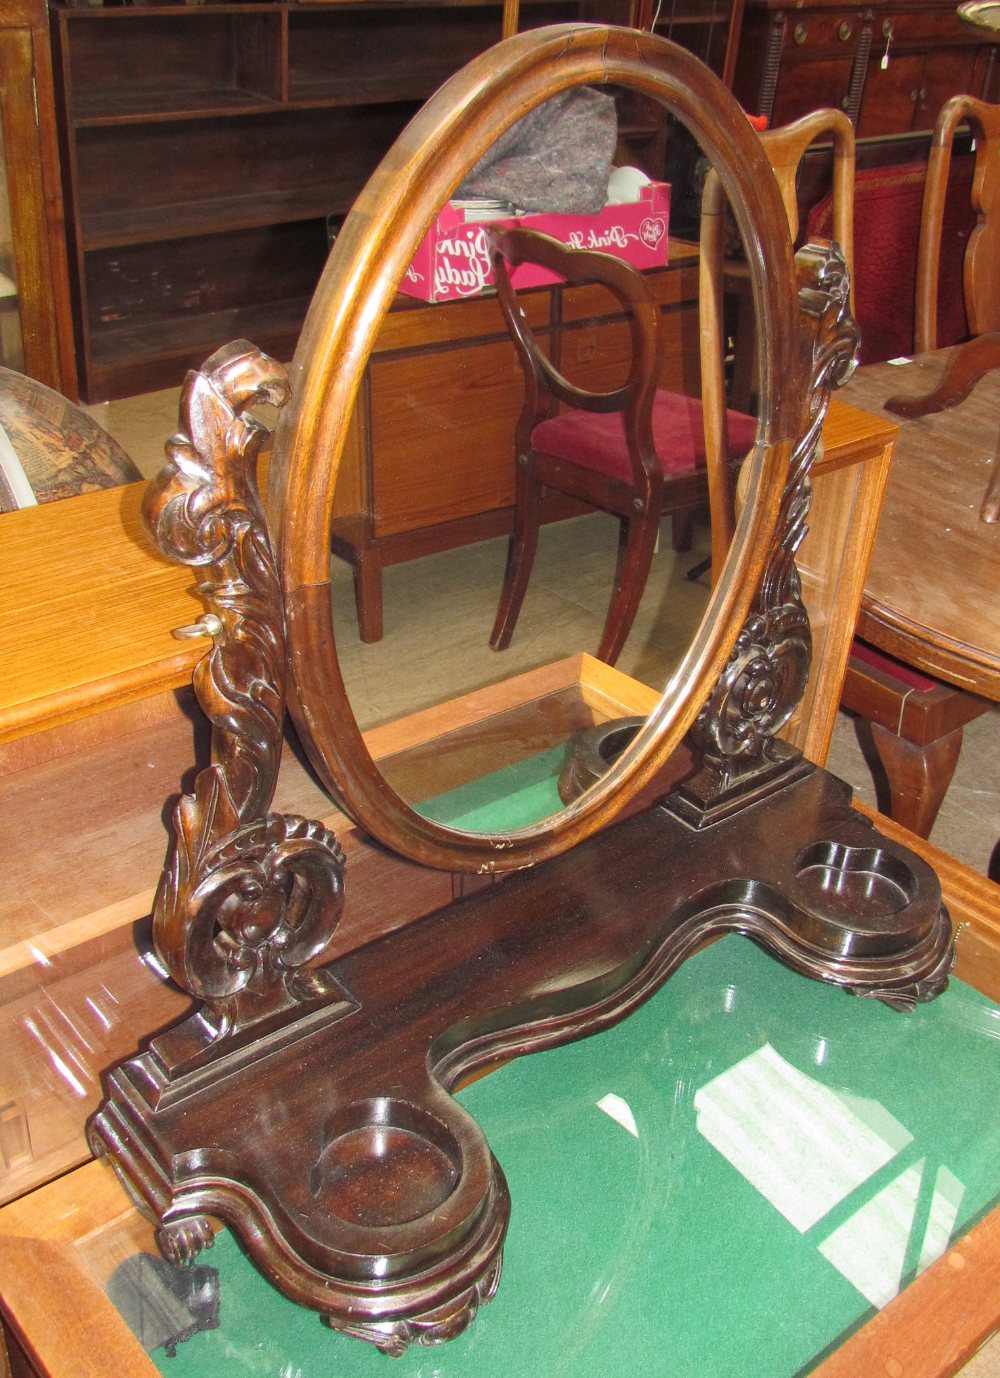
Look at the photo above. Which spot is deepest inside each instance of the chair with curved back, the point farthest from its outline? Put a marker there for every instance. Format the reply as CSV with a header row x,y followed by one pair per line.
x,y
917,721
637,451
981,265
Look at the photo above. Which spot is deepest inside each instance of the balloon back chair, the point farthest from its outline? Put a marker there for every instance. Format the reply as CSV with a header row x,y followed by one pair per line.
x,y
637,451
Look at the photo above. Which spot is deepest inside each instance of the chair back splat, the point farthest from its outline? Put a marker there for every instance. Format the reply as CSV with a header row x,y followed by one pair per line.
x,y
637,451
981,270
785,148
914,722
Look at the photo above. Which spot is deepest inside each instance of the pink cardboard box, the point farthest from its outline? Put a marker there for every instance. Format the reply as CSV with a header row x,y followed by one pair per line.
x,y
453,259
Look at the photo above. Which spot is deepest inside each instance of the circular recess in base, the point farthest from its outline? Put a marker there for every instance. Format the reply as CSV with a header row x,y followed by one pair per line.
x,y
844,881
385,1162
595,752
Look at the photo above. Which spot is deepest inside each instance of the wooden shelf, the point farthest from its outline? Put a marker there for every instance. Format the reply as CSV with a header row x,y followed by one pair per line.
x,y
134,355
198,137
157,103
144,224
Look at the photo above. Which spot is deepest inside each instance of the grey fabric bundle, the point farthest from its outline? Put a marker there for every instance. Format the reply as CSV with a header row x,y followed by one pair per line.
x,y
556,159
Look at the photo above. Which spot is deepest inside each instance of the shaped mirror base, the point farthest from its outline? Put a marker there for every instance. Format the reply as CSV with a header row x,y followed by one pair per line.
x,y
356,1182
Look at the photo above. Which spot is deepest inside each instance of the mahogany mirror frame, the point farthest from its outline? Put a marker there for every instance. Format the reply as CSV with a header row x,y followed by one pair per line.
x,y
368,261
307,1099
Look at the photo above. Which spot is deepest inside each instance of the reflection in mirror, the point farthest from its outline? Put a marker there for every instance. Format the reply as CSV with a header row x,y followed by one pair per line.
x,y
424,505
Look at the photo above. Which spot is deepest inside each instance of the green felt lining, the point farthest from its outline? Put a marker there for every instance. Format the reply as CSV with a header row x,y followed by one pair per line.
x,y
635,1243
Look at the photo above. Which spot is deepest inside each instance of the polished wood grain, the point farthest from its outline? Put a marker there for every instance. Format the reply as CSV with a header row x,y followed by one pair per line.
x,y
930,596
849,480
89,605
248,912
74,909
224,1113
92,603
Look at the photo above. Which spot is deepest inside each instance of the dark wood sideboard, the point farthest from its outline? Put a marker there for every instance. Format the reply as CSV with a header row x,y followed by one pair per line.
x,y
890,66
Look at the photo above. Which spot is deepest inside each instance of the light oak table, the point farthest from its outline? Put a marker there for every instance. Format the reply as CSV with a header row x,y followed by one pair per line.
x,y
79,910
90,604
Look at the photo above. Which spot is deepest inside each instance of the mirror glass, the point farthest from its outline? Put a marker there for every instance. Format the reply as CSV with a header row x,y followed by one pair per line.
x,y
427,485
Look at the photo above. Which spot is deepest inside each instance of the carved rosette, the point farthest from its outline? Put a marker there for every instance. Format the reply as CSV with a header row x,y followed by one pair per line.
x,y
762,684
249,896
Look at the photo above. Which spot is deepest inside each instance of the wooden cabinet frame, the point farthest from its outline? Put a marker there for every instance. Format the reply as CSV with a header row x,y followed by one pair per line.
x,y
36,206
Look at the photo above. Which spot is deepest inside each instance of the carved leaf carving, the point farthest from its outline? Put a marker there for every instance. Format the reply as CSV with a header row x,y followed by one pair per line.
x,y
249,896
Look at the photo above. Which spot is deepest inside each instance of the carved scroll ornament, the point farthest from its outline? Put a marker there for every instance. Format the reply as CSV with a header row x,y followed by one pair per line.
x,y
250,897
760,688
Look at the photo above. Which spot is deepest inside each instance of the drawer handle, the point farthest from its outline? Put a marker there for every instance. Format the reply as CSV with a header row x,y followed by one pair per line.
x,y
887,35
845,31
800,33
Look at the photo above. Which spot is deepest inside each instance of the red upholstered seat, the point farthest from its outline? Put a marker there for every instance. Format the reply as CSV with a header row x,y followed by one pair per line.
x,y
897,669
597,441
584,441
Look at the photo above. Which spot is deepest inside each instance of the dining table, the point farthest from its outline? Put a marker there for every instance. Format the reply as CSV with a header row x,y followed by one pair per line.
x,y
932,594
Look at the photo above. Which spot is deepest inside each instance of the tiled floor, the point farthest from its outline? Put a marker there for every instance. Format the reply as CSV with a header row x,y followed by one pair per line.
x,y
438,616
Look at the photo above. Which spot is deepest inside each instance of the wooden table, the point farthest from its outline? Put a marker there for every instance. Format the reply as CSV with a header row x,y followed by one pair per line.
x,y
90,605
98,632
931,594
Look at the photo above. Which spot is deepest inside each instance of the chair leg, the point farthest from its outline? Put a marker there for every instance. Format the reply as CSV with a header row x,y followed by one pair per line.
x,y
636,544
681,525
918,776
520,558
368,595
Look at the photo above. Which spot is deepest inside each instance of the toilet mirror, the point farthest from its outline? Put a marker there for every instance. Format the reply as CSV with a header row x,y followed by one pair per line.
x,y
417,803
